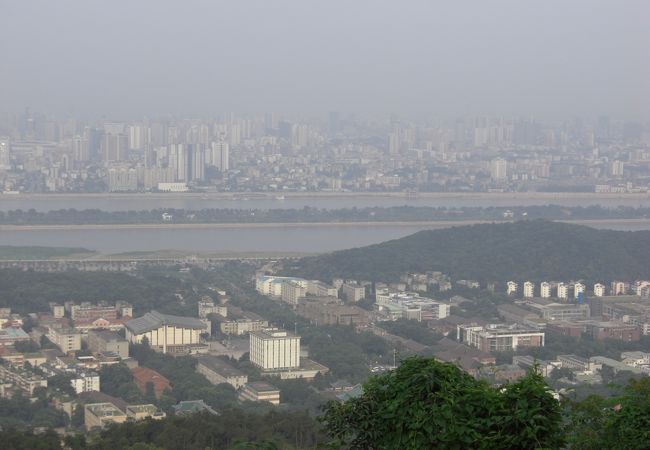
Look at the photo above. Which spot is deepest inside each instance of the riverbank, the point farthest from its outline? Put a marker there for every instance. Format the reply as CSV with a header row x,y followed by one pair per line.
x,y
239,226
593,196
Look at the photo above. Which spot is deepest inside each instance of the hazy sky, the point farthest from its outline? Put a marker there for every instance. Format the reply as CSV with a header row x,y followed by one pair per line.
x,y
549,58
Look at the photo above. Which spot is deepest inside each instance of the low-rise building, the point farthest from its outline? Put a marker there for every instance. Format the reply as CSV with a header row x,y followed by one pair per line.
x,y
614,330
207,306
189,407
21,378
142,412
239,327
330,311
166,333
142,376
499,337
218,371
10,336
100,415
67,339
260,391
353,292
105,341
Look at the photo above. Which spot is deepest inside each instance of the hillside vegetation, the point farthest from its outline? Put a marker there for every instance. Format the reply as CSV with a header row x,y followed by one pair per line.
x,y
525,250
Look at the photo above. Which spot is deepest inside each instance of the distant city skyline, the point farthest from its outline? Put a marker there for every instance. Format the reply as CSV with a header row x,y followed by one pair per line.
x,y
550,59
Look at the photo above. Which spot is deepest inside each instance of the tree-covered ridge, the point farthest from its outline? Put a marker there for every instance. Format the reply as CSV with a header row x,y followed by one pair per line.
x,y
525,250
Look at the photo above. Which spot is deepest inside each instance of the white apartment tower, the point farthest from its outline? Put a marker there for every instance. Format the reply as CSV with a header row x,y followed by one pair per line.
x,y
545,289
511,287
599,290
273,349
562,291
578,288
529,289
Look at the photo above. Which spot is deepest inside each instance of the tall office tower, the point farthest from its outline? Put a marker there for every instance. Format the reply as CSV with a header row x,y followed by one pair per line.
x,y
499,169
139,136
178,161
114,147
196,162
5,154
80,148
299,135
115,142
221,155
393,143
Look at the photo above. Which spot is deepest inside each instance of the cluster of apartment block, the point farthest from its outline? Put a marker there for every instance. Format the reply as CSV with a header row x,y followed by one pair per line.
x,y
562,290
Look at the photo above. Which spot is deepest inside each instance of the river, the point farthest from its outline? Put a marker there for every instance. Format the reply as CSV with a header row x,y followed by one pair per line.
x,y
232,239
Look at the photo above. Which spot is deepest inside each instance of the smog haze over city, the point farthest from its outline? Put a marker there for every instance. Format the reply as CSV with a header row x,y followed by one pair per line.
x,y
294,224
125,60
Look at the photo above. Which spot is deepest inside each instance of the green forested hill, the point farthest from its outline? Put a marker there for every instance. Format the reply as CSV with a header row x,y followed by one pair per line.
x,y
526,250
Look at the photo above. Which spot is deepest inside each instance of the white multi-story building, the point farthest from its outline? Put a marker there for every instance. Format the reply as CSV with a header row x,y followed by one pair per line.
x,y
85,382
66,339
578,288
410,305
529,289
272,285
545,289
165,332
511,288
599,290
292,291
274,349
562,291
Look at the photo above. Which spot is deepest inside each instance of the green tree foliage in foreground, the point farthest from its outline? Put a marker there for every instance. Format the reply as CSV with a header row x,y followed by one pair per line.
x,y
427,404
617,423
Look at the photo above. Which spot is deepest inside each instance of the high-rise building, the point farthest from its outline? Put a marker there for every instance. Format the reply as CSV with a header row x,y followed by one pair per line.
x,y
80,148
499,169
511,288
529,289
5,155
599,290
578,288
393,143
545,289
274,348
562,291
221,155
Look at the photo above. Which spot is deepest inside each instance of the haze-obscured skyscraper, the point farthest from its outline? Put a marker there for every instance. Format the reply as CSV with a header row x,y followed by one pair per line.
x,y
221,155
499,169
